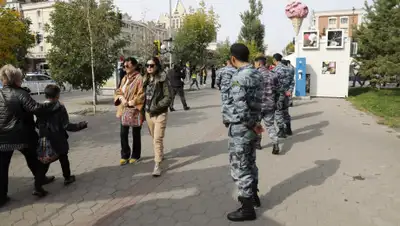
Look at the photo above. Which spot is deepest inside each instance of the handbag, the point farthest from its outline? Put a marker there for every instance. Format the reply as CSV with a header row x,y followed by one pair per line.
x,y
45,152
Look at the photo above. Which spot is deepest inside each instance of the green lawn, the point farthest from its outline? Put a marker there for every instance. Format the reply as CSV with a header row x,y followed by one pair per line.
x,y
384,103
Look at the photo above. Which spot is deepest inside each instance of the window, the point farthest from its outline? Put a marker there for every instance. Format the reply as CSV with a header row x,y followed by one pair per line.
x,y
38,13
40,25
41,49
344,20
332,21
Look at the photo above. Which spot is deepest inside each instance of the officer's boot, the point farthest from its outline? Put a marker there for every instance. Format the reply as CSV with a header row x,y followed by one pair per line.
x,y
289,129
256,199
282,133
244,213
275,149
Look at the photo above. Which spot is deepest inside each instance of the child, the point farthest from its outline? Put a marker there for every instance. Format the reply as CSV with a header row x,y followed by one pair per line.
x,y
54,127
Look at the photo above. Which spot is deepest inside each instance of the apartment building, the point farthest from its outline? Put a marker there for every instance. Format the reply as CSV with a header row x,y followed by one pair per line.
x,y
337,19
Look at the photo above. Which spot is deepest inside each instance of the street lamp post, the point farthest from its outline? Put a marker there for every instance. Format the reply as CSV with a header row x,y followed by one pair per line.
x,y
170,33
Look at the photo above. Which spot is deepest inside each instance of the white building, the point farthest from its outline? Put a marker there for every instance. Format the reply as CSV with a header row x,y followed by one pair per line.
x,y
178,13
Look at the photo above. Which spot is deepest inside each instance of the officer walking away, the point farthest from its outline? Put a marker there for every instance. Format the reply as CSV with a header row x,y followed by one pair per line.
x,y
293,71
286,85
213,76
176,77
244,102
223,80
270,86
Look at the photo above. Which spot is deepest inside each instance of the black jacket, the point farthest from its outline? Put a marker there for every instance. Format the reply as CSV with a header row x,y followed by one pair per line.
x,y
55,125
17,125
175,78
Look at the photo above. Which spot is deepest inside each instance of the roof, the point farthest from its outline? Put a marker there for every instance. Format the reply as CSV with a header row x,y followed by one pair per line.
x,y
339,12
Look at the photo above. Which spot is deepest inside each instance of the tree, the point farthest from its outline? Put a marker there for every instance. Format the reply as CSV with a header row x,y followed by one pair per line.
x,y
198,31
253,30
379,43
69,57
289,49
15,38
222,53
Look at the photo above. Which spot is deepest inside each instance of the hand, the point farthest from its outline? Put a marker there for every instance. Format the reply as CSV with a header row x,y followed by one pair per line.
x,y
258,129
288,93
131,103
226,124
83,124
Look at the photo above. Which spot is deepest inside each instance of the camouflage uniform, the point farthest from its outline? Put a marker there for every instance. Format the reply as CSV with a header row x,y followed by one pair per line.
x,y
270,86
223,80
286,83
244,100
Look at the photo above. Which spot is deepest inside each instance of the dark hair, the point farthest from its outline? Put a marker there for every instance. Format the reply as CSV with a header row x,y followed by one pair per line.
x,y
134,62
240,52
262,60
158,64
52,91
278,57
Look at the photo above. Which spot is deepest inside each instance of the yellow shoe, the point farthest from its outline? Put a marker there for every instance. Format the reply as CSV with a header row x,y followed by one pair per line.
x,y
123,162
132,161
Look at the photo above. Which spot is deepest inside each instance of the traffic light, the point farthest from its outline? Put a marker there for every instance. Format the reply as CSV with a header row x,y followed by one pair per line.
x,y
157,48
39,38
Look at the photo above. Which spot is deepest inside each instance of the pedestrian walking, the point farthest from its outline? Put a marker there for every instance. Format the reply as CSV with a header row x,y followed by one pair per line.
x,y
18,132
213,76
286,85
158,100
223,80
176,77
244,104
270,86
129,98
53,127
204,74
194,78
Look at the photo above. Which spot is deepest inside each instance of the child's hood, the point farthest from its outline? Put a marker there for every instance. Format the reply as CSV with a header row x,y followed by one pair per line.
x,y
56,106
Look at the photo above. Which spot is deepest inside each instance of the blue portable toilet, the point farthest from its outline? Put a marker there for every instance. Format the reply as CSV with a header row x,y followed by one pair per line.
x,y
301,67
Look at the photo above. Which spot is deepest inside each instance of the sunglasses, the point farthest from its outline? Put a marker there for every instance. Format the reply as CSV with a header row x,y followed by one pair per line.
x,y
150,65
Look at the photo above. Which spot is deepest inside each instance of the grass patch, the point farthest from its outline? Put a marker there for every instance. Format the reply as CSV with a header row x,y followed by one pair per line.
x,y
384,103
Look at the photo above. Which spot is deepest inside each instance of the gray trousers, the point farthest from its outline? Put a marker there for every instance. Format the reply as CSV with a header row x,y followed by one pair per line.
x,y
242,158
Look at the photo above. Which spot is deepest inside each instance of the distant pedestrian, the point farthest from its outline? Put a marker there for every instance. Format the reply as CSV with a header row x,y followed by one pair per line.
x,y
204,74
129,98
176,77
193,75
286,85
158,100
270,87
243,114
122,73
213,76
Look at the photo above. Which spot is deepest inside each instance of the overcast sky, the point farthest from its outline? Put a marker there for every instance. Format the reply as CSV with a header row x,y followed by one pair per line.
x,y
279,30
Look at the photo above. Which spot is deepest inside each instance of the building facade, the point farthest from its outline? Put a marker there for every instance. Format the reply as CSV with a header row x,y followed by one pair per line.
x,y
141,36
178,13
337,19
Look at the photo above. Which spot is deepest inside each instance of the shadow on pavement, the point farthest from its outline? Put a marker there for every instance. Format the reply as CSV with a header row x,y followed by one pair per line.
x,y
301,103
314,176
303,134
307,115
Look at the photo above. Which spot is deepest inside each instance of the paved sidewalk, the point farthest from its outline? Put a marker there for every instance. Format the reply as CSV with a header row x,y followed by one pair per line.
x,y
340,168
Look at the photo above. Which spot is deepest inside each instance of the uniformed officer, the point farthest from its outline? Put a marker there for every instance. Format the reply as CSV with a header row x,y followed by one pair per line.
x,y
286,85
244,104
223,81
270,86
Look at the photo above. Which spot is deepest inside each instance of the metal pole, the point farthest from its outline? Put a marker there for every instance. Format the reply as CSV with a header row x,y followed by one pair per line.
x,y
170,33
91,57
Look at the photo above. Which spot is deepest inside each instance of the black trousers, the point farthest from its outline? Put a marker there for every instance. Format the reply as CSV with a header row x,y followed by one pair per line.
x,y
181,93
213,82
36,167
126,152
194,82
204,80
65,166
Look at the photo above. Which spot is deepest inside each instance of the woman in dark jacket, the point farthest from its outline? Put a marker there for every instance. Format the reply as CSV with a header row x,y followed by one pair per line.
x,y
157,102
17,130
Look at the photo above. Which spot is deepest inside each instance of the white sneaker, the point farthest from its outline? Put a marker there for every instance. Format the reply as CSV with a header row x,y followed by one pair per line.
x,y
157,170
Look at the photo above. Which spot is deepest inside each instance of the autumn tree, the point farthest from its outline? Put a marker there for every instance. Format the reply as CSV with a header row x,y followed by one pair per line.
x,y
70,56
199,29
289,49
15,38
253,31
379,43
222,52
